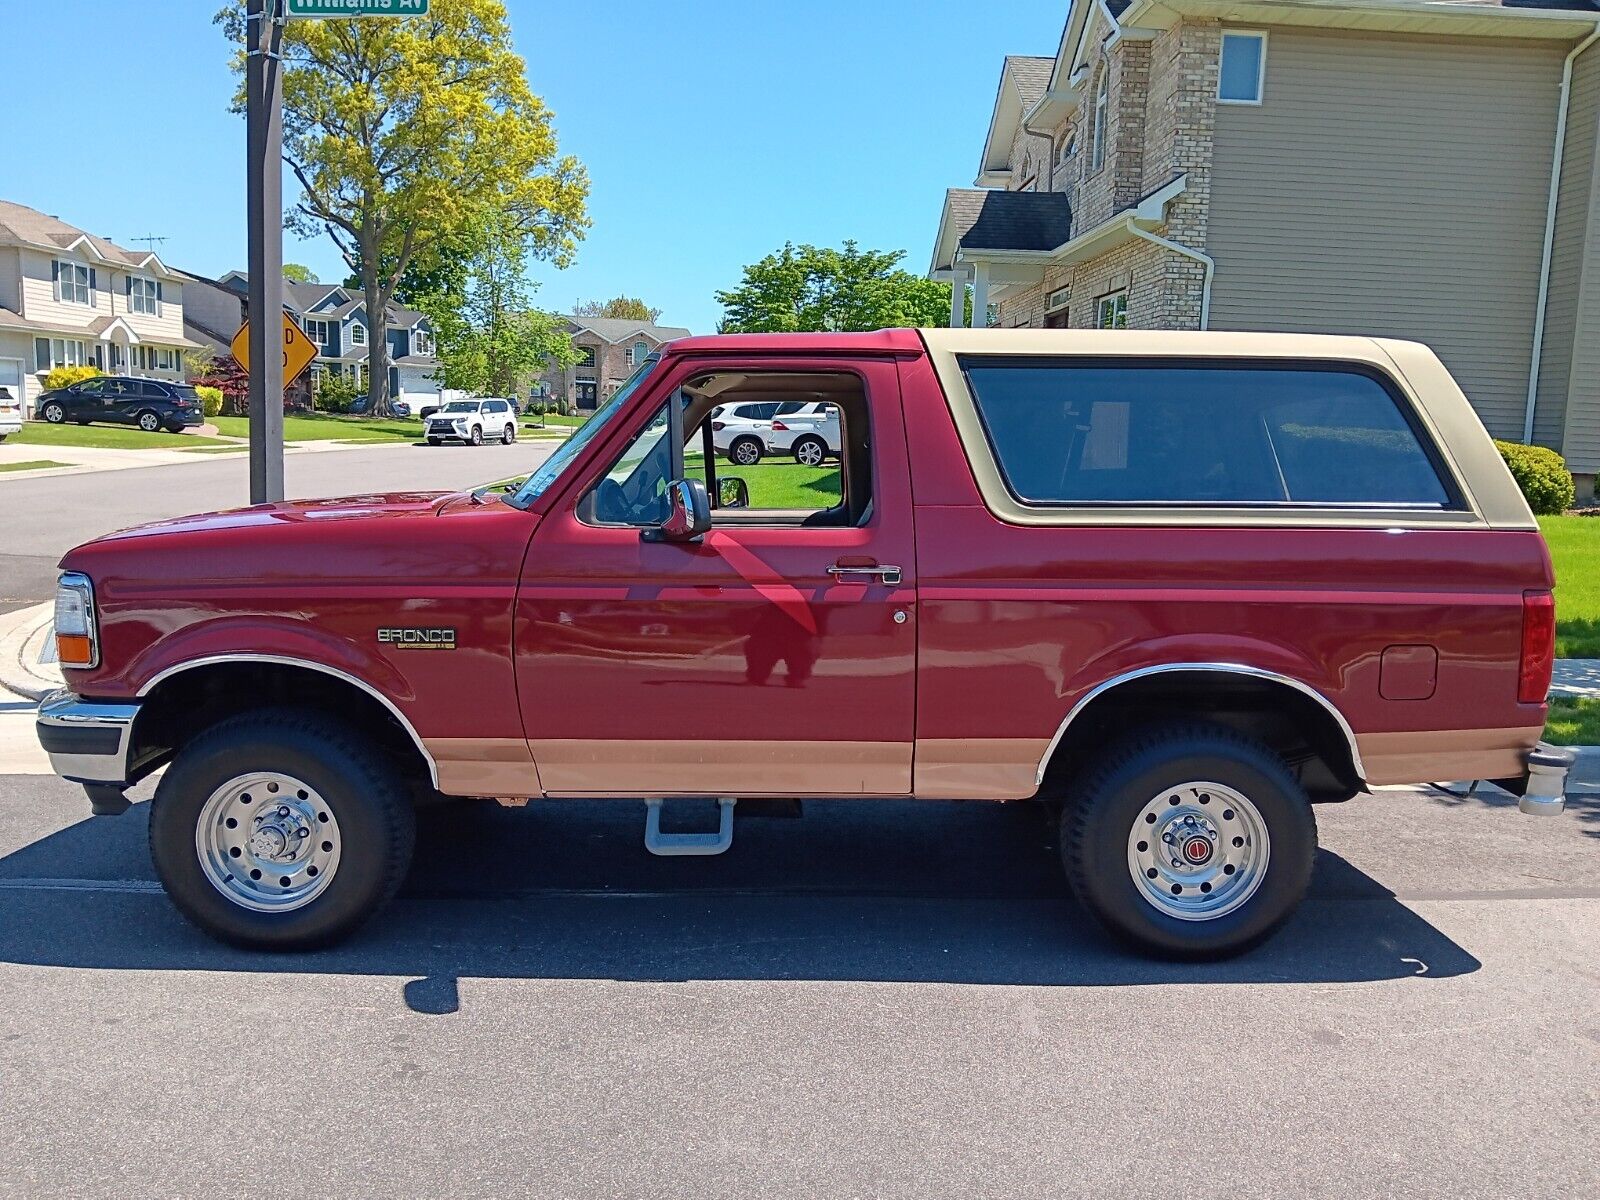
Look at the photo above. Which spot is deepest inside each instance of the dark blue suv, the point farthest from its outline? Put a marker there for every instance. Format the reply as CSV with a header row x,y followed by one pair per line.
x,y
151,404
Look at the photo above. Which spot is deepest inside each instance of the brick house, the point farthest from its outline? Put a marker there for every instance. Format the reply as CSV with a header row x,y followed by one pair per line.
x,y
611,349
1412,168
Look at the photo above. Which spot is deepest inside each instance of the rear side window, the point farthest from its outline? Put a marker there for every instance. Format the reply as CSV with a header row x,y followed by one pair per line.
x,y
1091,431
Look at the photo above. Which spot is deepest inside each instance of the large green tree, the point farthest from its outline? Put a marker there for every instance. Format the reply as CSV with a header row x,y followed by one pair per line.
x,y
623,308
820,288
403,132
489,339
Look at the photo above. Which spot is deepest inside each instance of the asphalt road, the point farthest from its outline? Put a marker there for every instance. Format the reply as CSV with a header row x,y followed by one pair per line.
x,y
47,517
878,999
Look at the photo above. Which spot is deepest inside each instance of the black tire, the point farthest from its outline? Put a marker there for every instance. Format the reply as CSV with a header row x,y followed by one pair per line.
x,y
54,414
809,446
746,451
508,435
433,441
149,421
368,798
477,435
1098,820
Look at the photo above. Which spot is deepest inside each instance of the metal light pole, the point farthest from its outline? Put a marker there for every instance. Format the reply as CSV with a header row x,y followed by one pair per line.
x,y
264,121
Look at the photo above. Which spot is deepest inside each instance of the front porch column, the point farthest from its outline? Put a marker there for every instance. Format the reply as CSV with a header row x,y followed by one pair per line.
x,y
980,295
958,296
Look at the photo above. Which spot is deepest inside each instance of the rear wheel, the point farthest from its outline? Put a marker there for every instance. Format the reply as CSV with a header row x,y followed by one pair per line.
x,y
508,435
746,451
281,830
1190,841
810,451
149,422
53,413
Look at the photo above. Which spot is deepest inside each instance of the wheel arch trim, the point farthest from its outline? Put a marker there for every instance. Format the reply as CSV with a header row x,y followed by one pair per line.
x,y
282,660
1217,668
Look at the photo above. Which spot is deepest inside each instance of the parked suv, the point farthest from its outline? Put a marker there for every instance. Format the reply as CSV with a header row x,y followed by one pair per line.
x,y
811,434
739,432
471,421
10,414
151,404
1179,587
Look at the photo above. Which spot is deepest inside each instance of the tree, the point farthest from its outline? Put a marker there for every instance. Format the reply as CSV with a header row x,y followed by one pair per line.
x,y
296,273
490,340
622,308
811,288
401,132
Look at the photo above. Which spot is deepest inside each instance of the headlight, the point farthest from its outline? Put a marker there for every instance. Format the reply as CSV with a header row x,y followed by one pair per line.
x,y
76,643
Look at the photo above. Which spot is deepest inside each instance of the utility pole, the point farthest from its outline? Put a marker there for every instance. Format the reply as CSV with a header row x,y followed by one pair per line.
x,y
264,21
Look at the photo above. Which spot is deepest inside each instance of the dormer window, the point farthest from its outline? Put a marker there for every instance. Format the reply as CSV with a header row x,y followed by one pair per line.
x,y
358,334
74,283
144,296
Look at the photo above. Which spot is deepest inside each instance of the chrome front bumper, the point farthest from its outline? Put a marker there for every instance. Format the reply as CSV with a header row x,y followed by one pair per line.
x,y
87,741
1544,788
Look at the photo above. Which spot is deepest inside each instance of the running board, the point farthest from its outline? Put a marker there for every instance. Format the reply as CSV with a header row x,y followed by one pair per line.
x,y
669,844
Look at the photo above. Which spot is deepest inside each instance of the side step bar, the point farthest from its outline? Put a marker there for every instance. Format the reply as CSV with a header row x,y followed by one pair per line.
x,y
669,844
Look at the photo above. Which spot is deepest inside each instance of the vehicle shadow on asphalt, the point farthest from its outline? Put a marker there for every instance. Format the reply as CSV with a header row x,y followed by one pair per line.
x,y
1583,801
885,891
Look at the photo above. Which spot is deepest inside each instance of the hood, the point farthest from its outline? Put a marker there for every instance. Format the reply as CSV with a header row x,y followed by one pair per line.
x,y
386,505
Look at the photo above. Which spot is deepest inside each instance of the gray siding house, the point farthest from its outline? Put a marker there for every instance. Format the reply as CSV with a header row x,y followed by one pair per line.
x,y
1411,168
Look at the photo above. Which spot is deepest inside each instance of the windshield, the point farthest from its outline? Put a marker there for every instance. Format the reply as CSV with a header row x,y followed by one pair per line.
x,y
573,446
461,406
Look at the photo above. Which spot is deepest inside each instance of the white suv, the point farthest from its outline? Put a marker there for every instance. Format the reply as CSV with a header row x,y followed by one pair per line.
x,y
811,434
474,421
10,414
739,432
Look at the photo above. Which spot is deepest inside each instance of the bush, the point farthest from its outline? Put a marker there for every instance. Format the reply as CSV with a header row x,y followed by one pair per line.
x,y
1542,475
67,376
337,393
211,398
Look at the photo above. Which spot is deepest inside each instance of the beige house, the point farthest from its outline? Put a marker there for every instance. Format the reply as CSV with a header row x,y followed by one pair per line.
x,y
71,299
1415,168
611,348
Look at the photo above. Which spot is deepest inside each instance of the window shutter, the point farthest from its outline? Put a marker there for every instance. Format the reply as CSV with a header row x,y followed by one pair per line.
x,y
41,354
55,279
94,288
161,297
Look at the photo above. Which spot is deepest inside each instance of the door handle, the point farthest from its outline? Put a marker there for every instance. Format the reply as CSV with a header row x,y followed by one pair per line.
x,y
887,575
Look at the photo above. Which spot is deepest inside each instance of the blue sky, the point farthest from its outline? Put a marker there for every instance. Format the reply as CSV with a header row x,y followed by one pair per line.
x,y
712,131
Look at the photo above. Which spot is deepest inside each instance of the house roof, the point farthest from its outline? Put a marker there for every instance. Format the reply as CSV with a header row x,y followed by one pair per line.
x,y
303,297
993,219
1024,79
613,329
21,225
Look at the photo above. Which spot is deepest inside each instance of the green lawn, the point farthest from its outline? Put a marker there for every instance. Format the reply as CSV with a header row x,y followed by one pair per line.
x,y
1575,547
778,483
33,464
105,437
1573,722
331,427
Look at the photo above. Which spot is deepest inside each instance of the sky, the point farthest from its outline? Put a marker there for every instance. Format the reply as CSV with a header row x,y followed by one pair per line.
x,y
713,132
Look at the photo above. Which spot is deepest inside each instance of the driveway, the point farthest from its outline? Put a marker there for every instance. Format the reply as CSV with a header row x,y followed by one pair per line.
x,y
45,517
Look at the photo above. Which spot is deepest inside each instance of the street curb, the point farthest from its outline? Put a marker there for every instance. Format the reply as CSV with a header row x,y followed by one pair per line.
x,y
20,633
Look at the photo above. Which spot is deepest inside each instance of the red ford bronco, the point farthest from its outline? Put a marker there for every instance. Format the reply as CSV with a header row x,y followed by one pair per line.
x,y
1182,586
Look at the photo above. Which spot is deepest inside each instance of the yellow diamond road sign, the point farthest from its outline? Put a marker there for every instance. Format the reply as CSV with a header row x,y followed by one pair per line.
x,y
298,350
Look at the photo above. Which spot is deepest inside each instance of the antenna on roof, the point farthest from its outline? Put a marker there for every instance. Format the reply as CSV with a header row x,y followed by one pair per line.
x,y
150,240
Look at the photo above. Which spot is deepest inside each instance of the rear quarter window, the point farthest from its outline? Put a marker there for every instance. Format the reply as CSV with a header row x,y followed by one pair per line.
x,y
1104,432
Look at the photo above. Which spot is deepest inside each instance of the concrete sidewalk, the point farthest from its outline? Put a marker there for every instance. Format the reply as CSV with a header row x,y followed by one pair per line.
x,y
77,460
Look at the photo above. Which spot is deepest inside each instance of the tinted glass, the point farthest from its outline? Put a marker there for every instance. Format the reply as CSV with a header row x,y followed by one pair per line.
x,y
185,393
90,387
1090,432
757,412
150,391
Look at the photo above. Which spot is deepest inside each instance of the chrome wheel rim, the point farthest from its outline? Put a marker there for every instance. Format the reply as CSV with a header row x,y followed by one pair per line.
x,y
55,414
810,454
149,423
1198,851
745,454
268,842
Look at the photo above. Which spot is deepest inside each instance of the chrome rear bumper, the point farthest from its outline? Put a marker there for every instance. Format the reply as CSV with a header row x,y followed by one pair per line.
x,y
87,741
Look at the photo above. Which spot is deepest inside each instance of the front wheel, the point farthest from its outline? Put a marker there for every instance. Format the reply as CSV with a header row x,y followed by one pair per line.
x,y
281,830
54,413
433,441
477,436
810,451
149,422
1189,841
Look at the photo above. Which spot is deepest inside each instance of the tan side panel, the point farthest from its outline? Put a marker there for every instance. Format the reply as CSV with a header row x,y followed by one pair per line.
x,y
978,768
1449,754
723,768
484,766
1392,185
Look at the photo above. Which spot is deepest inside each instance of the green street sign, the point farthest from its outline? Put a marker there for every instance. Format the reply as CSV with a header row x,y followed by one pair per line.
x,y
357,8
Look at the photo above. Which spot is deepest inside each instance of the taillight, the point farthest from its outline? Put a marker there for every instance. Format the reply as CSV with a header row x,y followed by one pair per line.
x,y
718,426
779,427
1538,647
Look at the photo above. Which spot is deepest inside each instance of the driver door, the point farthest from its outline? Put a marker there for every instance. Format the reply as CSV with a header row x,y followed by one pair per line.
x,y
762,659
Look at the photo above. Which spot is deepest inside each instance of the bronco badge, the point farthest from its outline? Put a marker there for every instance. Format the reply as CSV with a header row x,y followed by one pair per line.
x,y
418,639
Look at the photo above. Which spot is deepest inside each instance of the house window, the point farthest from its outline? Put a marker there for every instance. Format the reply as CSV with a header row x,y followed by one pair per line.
x,y
358,334
317,332
1069,147
1058,300
1102,98
50,353
1111,312
143,295
585,356
640,352
74,283
424,342
1242,73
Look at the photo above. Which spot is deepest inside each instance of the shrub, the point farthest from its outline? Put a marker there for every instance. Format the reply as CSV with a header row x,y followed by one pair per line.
x,y
336,393
211,397
67,376
1542,475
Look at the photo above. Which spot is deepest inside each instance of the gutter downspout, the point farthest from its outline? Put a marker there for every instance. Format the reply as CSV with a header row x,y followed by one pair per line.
x,y
1536,358
1205,260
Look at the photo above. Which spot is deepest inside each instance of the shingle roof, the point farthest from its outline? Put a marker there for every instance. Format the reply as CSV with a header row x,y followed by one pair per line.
x,y
1118,7
992,219
19,223
613,329
1032,73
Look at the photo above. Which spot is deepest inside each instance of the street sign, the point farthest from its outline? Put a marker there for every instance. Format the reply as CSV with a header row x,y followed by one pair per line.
x,y
357,8
298,350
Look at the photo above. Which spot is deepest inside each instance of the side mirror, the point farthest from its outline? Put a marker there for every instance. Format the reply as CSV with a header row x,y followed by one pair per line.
x,y
732,492
688,513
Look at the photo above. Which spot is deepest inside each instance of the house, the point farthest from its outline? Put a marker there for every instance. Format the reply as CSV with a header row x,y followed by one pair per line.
x,y
69,298
1411,168
611,349
335,319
